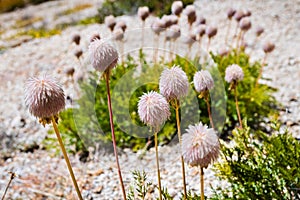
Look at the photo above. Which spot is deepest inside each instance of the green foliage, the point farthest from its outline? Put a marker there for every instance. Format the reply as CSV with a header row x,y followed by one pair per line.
x,y
69,135
259,166
128,84
38,33
10,5
120,7
141,187
77,8
255,100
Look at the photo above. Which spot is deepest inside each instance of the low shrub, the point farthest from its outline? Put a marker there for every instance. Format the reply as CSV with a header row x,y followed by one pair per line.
x,y
260,166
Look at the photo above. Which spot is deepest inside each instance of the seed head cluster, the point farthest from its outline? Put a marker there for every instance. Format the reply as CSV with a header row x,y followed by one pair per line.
x,y
200,145
44,96
153,109
173,83
103,56
234,73
203,81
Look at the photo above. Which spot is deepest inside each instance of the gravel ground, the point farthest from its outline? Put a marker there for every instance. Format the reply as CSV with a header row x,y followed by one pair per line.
x,y
39,174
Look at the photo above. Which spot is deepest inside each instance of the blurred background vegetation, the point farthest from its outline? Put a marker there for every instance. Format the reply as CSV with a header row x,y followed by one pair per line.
x,y
10,5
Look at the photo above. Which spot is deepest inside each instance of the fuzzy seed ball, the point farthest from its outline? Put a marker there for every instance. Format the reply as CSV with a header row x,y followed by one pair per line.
x,y
177,7
230,13
76,39
203,81
173,32
122,25
190,12
103,56
238,15
200,30
158,26
110,22
153,109
143,12
44,96
173,83
268,47
190,39
211,31
259,31
245,24
234,73
200,145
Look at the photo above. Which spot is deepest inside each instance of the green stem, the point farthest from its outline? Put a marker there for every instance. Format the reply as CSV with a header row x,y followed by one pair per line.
x,y
12,176
157,164
66,157
177,106
107,74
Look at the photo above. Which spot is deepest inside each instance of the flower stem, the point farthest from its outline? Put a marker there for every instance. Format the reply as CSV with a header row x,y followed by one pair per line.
x,y
201,182
157,165
261,69
66,157
107,74
208,110
12,176
180,142
237,106
227,32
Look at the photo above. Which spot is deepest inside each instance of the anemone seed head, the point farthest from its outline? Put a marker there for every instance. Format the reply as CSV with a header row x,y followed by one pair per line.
x,y
200,145
203,81
153,109
103,56
234,73
143,12
44,97
177,7
173,83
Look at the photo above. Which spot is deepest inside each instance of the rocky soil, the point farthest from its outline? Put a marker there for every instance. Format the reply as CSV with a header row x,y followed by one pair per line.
x,y
42,175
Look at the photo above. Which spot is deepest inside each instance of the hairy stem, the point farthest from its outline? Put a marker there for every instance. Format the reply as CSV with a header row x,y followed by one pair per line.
x,y
177,106
237,106
201,182
107,74
208,110
157,164
12,176
66,157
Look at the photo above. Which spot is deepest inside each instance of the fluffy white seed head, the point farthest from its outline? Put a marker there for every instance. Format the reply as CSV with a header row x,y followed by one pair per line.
x,y
211,31
268,47
153,109
177,7
234,73
173,83
190,12
173,32
200,145
203,81
245,24
103,56
158,26
122,25
143,12
110,22
44,96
